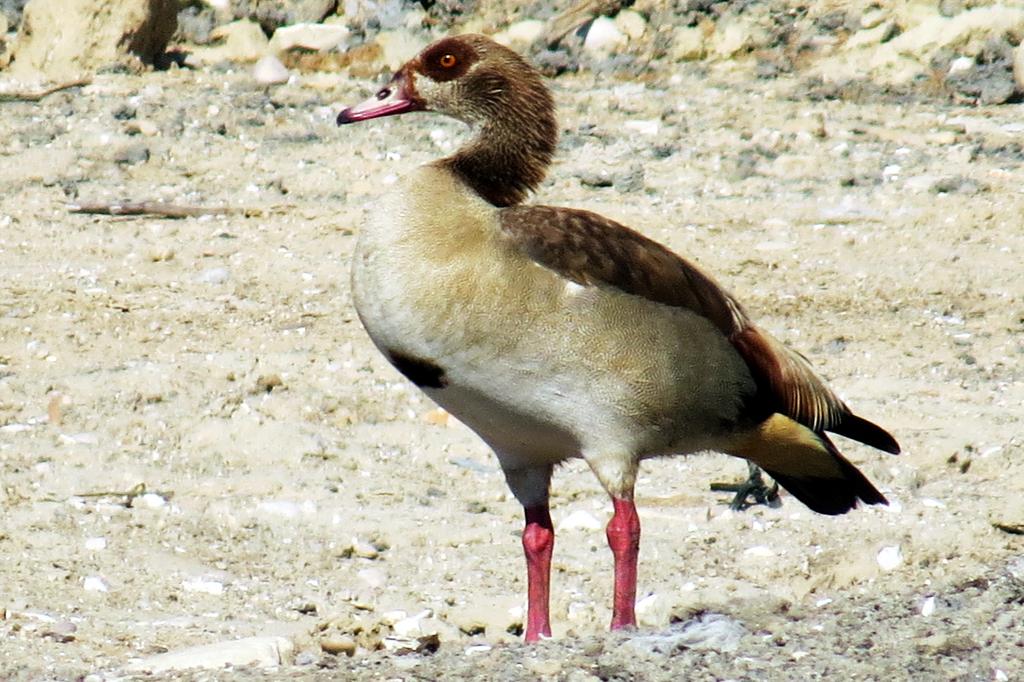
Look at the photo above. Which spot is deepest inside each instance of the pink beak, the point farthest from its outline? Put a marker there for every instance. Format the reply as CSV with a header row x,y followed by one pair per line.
x,y
393,99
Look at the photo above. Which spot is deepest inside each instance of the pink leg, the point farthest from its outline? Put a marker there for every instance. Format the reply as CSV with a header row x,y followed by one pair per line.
x,y
538,543
624,539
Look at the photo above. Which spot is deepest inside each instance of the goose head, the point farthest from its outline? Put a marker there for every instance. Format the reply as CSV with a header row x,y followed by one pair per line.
x,y
494,90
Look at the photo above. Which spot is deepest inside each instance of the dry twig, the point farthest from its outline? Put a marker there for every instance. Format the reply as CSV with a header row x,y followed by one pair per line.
x,y
155,208
40,94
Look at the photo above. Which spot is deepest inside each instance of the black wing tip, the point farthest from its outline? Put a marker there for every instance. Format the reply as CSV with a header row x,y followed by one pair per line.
x,y
831,496
835,495
869,433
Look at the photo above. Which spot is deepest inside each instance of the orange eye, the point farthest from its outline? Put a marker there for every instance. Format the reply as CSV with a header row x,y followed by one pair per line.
x,y
447,61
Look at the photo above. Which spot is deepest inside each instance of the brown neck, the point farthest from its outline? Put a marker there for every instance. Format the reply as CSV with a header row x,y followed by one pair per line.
x,y
511,154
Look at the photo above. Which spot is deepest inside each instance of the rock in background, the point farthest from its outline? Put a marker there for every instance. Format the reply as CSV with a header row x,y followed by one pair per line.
x,y
963,51
62,39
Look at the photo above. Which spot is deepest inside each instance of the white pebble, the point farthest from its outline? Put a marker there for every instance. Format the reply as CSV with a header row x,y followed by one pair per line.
x,y
631,23
650,127
152,501
411,626
603,37
960,65
94,583
759,551
213,276
317,37
270,71
286,508
579,520
203,586
523,33
928,607
373,577
364,549
890,557
95,544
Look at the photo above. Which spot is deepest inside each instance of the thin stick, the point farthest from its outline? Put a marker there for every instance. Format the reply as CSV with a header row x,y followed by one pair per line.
x,y
155,208
40,94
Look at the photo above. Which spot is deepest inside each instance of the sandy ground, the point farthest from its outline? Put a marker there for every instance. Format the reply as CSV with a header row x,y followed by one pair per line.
x,y
298,486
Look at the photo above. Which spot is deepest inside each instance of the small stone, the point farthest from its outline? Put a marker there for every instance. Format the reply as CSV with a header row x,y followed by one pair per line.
x,y
96,544
374,578
94,583
414,626
338,644
592,178
266,383
631,180
261,652
142,127
270,71
216,275
1008,516
152,501
62,631
364,549
160,253
239,41
306,658
437,417
873,18
523,33
928,607
203,586
734,36
402,646
654,611
651,127
579,520
604,37
961,65
631,23
955,184
316,37
759,551
132,154
950,8
890,558
688,44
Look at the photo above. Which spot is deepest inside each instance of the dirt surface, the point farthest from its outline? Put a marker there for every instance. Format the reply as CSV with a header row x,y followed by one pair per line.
x,y
295,485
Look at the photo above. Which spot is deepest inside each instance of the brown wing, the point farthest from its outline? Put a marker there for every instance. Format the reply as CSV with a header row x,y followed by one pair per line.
x,y
590,249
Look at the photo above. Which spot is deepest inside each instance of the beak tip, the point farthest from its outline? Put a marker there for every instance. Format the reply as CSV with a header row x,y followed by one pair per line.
x,y
344,117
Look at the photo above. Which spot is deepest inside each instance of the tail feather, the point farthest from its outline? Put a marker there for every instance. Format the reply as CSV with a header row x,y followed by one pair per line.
x,y
808,465
831,495
863,431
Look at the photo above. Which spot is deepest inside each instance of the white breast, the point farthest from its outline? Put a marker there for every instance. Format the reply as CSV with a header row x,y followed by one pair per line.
x,y
539,367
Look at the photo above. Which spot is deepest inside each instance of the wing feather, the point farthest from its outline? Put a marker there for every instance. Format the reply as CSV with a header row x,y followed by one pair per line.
x,y
592,250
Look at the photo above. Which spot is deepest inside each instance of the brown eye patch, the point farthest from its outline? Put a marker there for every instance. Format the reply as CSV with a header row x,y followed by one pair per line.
x,y
447,59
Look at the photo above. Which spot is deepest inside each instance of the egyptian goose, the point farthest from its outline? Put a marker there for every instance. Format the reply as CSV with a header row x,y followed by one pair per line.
x,y
556,333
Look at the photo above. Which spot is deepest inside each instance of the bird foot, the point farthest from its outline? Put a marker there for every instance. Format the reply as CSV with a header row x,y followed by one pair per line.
x,y
753,487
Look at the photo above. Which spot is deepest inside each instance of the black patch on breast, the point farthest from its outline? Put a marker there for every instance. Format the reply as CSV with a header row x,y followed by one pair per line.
x,y
423,373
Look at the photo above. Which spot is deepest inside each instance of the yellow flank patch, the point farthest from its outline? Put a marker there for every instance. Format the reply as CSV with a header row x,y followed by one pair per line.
x,y
784,446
